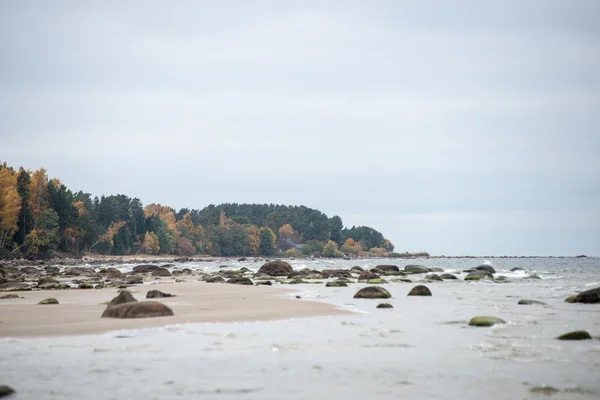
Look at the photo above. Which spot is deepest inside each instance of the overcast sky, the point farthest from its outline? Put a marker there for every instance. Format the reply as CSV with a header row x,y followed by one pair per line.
x,y
454,127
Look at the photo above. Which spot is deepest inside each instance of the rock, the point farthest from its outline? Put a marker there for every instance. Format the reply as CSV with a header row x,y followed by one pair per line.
x,y
501,278
336,273
240,281
588,297
448,276
145,268
571,299
55,286
376,271
575,335
122,298
356,268
404,280
215,279
44,280
435,269
231,274
155,294
9,296
530,302
242,259
6,390
276,268
486,268
516,269
30,271
142,309
388,268
478,274
372,292
377,281
113,273
266,283
85,286
14,287
367,275
416,269
336,284
420,290
532,276
485,321
134,280
51,300
434,277
161,272
544,390
52,270
384,305
80,271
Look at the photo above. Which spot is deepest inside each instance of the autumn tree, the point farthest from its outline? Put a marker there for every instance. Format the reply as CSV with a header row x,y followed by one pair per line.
x,y
253,240
331,250
10,206
112,230
267,242
150,245
38,194
350,247
45,237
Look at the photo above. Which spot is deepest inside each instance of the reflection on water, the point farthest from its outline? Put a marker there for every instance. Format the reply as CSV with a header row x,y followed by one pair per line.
x,y
422,348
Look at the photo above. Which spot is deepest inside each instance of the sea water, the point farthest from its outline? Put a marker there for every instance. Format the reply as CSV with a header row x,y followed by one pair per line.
x,y
423,348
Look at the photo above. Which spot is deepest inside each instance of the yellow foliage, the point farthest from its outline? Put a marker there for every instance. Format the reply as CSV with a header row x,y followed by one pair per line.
x,y
10,205
253,240
150,245
80,206
38,194
286,231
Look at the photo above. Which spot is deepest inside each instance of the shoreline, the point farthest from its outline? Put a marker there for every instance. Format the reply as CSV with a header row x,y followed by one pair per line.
x,y
79,311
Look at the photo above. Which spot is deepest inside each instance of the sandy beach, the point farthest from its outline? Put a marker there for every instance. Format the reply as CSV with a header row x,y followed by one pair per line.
x,y
78,311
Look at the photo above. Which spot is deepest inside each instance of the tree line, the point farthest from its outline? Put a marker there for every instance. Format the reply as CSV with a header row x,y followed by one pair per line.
x,y
41,216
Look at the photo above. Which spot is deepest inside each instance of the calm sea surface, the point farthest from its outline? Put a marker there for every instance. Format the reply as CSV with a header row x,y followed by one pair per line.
x,y
421,349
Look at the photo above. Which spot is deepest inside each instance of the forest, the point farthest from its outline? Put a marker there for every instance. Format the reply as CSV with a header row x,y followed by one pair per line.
x,y
42,218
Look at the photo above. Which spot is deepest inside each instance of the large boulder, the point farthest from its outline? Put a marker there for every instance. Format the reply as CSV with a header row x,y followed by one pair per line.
x,y
357,269
81,271
416,269
276,268
367,275
434,277
485,321
372,292
30,271
420,290
215,279
486,267
112,273
336,284
156,294
589,296
44,280
448,276
388,268
122,298
142,309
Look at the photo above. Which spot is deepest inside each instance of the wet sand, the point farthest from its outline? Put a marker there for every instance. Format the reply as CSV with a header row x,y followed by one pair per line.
x,y
79,310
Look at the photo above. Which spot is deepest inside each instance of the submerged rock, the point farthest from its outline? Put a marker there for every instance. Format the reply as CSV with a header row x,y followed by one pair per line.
x,y
485,321
377,281
516,269
420,290
532,276
276,268
477,275
372,292
142,309
530,302
51,300
156,294
545,390
384,305
6,390
435,269
448,276
122,298
588,297
336,273
434,277
112,273
388,268
571,299
575,335
336,284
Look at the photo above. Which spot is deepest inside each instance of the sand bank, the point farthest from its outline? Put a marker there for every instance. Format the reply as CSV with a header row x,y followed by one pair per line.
x,y
79,310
